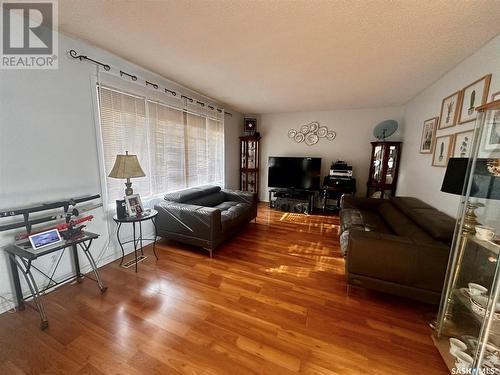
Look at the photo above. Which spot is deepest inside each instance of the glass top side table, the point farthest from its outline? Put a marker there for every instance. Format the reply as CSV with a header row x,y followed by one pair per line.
x,y
147,215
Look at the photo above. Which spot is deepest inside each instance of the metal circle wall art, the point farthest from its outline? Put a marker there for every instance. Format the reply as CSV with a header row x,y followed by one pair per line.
x,y
322,131
311,133
304,129
299,137
311,139
331,135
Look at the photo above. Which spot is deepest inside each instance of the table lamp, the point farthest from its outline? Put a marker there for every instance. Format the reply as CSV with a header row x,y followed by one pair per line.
x,y
127,166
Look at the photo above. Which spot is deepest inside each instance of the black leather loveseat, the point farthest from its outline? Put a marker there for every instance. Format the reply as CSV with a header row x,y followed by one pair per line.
x,y
398,246
204,216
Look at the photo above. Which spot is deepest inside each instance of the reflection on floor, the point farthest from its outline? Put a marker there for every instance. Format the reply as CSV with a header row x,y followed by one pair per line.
x,y
272,301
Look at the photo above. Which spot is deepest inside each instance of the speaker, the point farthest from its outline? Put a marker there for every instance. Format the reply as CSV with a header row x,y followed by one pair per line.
x,y
121,210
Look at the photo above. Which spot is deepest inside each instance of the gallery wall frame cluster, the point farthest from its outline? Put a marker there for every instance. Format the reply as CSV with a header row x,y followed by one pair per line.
x,y
457,109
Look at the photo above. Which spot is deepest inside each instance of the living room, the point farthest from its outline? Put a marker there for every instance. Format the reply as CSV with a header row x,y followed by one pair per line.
x,y
214,171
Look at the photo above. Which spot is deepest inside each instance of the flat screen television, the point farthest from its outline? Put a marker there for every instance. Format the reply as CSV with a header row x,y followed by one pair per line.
x,y
294,173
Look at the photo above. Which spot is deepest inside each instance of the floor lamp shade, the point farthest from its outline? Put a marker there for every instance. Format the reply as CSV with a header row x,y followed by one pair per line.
x,y
484,184
127,166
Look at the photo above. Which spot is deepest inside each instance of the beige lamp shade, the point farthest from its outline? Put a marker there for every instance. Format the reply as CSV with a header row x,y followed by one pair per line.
x,y
126,166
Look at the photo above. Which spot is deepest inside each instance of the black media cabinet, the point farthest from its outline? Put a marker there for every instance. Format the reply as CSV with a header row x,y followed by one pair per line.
x,y
292,200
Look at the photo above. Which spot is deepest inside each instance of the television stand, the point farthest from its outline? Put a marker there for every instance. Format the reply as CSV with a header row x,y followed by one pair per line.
x,y
292,200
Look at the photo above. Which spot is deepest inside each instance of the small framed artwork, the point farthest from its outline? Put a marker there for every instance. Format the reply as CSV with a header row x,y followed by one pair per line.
x,y
449,110
134,205
492,132
463,144
474,95
250,125
428,135
495,96
442,151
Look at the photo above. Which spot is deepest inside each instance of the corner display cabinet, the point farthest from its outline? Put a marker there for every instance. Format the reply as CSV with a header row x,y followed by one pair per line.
x,y
467,331
249,163
384,168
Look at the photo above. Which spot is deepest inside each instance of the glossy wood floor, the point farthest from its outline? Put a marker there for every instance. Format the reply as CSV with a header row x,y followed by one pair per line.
x,y
272,301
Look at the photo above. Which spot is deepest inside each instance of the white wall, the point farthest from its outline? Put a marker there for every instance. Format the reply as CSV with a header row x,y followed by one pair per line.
x,y
418,177
354,132
48,147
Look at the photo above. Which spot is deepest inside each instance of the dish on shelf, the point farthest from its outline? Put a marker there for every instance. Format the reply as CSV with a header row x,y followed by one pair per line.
x,y
478,306
491,358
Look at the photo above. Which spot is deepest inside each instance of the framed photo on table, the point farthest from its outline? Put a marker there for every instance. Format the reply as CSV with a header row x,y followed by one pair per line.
x,y
442,150
134,205
474,95
449,110
428,135
463,144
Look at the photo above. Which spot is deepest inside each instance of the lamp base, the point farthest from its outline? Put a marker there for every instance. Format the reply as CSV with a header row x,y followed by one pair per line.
x,y
128,190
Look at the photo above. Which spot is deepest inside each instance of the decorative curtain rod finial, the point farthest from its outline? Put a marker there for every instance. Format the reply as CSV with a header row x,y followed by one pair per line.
x,y
75,55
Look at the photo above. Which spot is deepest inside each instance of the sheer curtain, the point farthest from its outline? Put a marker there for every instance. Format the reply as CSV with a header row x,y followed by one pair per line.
x,y
176,147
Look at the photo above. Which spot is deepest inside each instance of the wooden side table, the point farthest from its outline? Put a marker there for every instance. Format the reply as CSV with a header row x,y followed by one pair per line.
x,y
147,215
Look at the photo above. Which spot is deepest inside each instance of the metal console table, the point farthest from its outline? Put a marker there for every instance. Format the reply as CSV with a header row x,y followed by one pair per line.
x,y
21,257
147,215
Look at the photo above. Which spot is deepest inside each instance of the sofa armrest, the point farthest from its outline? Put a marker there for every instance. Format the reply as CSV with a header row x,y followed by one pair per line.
x,y
371,204
241,196
189,220
397,259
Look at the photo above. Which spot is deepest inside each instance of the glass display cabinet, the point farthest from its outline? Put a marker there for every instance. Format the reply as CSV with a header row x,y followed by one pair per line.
x,y
467,332
384,168
249,163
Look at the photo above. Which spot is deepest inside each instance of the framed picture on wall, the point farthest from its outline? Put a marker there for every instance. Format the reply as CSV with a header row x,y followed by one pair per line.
x,y
428,135
495,96
449,110
442,150
474,95
463,144
492,132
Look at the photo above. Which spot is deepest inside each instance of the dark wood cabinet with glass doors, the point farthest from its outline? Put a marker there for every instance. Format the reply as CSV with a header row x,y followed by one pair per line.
x,y
249,163
384,168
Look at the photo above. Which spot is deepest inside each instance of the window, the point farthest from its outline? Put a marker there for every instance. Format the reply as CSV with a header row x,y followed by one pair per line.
x,y
176,148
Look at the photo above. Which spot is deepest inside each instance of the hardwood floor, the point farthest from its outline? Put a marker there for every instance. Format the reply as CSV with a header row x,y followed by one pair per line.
x,y
272,301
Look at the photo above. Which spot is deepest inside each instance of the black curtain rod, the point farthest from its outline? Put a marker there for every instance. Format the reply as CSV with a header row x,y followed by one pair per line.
x,y
132,77
152,84
106,67
75,55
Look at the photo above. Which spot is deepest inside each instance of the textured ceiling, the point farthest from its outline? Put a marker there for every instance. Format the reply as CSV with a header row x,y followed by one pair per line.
x,y
279,56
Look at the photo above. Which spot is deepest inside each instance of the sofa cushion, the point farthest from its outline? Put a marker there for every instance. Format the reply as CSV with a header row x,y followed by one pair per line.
x,y
402,225
191,193
437,224
373,222
209,200
233,213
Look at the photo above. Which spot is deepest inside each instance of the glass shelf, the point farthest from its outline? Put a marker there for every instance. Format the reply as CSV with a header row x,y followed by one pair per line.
x,y
475,319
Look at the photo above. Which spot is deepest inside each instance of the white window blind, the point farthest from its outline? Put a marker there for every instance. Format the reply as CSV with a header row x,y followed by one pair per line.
x,y
176,148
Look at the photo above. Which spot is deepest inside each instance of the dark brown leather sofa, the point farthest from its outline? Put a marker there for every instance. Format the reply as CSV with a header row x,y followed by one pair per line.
x,y
204,216
398,246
